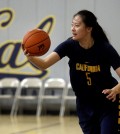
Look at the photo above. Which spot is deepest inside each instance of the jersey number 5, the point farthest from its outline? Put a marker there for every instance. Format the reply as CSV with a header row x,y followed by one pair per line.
x,y
88,79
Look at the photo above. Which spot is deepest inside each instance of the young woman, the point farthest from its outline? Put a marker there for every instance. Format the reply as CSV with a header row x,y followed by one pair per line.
x,y
90,58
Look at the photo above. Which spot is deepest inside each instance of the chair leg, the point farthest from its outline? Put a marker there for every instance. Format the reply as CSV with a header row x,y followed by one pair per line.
x,y
62,109
13,107
63,101
39,105
16,108
39,108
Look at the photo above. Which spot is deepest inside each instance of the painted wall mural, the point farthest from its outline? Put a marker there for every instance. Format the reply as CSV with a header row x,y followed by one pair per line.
x,y
11,63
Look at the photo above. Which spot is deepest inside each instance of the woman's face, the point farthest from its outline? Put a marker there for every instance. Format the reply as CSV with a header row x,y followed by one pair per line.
x,y
79,29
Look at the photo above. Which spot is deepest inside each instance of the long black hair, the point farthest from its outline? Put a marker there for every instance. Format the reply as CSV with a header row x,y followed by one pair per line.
x,y
90,20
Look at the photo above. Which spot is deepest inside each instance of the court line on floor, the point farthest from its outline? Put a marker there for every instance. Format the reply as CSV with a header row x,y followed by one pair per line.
x,y
37,128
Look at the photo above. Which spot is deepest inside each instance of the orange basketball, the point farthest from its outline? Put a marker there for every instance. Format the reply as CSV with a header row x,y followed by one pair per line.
x,y
36,42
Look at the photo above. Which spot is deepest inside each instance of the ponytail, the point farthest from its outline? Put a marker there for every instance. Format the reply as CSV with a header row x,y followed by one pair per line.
x,y
98,34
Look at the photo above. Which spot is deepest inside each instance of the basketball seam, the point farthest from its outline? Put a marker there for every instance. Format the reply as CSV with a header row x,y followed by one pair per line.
x,y
32,35
38,52
38,42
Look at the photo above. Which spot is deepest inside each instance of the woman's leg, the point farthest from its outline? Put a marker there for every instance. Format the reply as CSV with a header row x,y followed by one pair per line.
x,y
109,123
90,127
88,120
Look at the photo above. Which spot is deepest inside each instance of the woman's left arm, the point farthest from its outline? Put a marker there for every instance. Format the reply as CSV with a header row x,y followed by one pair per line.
x,y
111,93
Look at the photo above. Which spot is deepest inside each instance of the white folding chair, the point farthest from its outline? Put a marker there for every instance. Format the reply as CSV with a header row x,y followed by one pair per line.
x,y
53,89
68,96
27,85
8,87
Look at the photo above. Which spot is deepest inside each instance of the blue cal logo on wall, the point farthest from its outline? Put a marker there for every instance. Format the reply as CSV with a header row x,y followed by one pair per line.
x,y
12,61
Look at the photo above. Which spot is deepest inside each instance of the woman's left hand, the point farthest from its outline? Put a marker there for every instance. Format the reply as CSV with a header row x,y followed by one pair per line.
x,y
111,94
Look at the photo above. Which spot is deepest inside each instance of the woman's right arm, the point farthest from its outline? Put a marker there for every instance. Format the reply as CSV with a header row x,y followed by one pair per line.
x,y
43,63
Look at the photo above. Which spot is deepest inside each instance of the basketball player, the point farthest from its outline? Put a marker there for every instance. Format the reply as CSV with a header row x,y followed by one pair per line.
x,y
90,58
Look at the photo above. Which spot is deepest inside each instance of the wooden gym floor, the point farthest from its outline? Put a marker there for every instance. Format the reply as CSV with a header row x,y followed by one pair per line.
x,y
42,125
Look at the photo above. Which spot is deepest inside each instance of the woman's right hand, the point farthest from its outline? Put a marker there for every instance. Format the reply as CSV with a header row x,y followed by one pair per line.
x,y
25,51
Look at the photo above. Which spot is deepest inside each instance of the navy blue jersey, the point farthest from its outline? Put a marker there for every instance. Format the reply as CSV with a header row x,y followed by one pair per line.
x,y
90,68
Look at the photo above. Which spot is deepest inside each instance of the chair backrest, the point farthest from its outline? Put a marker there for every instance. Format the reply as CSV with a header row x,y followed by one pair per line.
x,y
31,82
55,83
9,82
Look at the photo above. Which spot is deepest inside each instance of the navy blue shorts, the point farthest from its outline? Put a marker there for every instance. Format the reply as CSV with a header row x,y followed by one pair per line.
x,y
100,120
